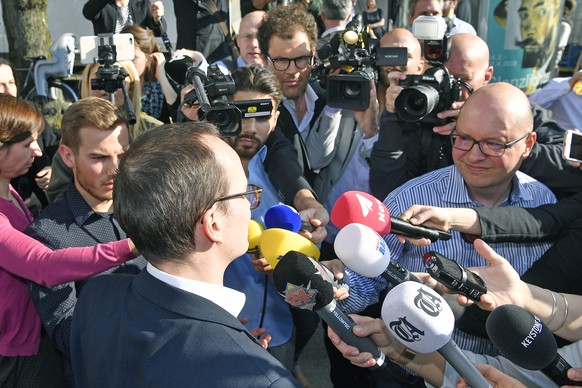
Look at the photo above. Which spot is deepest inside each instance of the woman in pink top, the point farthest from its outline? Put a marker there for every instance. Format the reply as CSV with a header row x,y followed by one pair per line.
x,y
22,257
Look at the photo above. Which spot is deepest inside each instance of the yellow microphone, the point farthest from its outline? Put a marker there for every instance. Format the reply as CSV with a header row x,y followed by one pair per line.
x,y
275,243
256,229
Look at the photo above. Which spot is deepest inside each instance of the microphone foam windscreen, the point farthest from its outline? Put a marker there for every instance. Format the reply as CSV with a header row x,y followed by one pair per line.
x,y
255,232
277,242
302,282
362,250
283,217
177,67
521,337
362,208
418,317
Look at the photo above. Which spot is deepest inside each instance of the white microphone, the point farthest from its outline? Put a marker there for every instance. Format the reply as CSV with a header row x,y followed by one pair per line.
x,y
364,251
421,319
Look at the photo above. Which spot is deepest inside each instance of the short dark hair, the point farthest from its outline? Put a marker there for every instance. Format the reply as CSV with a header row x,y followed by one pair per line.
x,y
89,111
260,79
284,22
336,9
166,180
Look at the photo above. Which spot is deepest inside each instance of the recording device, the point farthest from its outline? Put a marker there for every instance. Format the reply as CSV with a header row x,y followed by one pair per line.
x,y
572,150
305,284
255,108
363,208
523,339
425,95
110,77
421,319
275,243
455,277
210,90
364,251
352,51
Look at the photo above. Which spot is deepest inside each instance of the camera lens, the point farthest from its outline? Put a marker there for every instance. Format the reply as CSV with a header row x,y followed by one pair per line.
x,y
351,89
415,102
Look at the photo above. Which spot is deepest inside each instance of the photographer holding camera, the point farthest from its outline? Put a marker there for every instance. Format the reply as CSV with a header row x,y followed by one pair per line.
x,y
405,150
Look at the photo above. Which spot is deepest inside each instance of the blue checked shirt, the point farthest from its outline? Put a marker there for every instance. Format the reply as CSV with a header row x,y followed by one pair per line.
x,y
445,188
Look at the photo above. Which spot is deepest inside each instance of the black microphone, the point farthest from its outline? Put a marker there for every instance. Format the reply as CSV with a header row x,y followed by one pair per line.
x,y
405,228
306,285
523,339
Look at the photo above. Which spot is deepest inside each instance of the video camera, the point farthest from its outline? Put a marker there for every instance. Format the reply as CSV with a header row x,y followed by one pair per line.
x,y
424,96
210,90
110,77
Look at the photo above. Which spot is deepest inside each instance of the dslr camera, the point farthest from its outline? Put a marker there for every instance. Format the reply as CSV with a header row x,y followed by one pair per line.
x,y
424,96
210,90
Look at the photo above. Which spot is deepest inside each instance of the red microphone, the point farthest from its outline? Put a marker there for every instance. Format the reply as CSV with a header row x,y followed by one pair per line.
x,y
363,208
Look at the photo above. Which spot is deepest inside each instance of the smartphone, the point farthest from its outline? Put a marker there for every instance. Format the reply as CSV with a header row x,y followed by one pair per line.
x,y
89,47
572,146
449,273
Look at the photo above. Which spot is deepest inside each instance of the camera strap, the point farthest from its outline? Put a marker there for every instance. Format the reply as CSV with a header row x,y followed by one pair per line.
x,y
224,29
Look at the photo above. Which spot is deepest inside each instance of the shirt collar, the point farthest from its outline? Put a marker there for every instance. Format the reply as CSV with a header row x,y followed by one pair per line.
x,y
227,298
79,207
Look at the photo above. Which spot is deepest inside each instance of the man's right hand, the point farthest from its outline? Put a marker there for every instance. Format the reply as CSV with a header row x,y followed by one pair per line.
x,y
394,89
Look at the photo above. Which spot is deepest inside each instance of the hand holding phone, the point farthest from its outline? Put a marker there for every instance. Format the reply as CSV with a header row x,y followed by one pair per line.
x,y
572,151
449,273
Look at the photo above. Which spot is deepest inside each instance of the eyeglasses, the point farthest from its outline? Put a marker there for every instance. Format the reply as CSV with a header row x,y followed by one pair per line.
x,y
282,64
253,195
488,148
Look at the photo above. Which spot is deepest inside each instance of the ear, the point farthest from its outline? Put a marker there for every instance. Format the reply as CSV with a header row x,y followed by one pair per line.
x,y
68,155
488,75
212,224
529,143
420,68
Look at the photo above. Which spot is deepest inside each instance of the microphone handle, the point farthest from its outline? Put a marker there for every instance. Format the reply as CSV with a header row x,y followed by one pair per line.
x,y
396,274
405,228
557,372
459,361
343,326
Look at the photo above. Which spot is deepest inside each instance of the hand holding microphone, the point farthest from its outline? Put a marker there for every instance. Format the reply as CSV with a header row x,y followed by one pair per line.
x,y
421,320
306,285
363,208
523,339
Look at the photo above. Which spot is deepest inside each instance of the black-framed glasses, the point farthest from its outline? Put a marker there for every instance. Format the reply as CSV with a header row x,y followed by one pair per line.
x,y
488,148
253,195
282,64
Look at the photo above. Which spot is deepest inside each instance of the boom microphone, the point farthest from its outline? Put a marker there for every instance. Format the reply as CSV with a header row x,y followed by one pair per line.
x,y
276,242
305,285
523,339
363,208
421,319
365,252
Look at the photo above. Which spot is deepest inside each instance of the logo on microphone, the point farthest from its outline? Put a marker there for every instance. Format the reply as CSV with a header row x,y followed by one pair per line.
x,y
405,330
429,303
300,297
365,204
533,333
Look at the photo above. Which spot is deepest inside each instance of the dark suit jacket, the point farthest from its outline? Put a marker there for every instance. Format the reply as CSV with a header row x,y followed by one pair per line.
x,y
136,331
102,14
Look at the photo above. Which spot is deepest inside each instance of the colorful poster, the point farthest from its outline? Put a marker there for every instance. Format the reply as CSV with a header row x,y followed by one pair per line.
x,y
522,36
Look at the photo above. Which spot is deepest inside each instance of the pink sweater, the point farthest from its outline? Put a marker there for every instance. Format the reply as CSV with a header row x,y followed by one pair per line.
x,y
22,258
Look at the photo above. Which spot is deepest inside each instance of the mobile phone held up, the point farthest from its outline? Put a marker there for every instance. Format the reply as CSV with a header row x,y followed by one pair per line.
x,y
449,273
572,146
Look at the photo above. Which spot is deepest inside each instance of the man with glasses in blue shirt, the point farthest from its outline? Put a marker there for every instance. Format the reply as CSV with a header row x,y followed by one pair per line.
x,y
492,137
407,150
